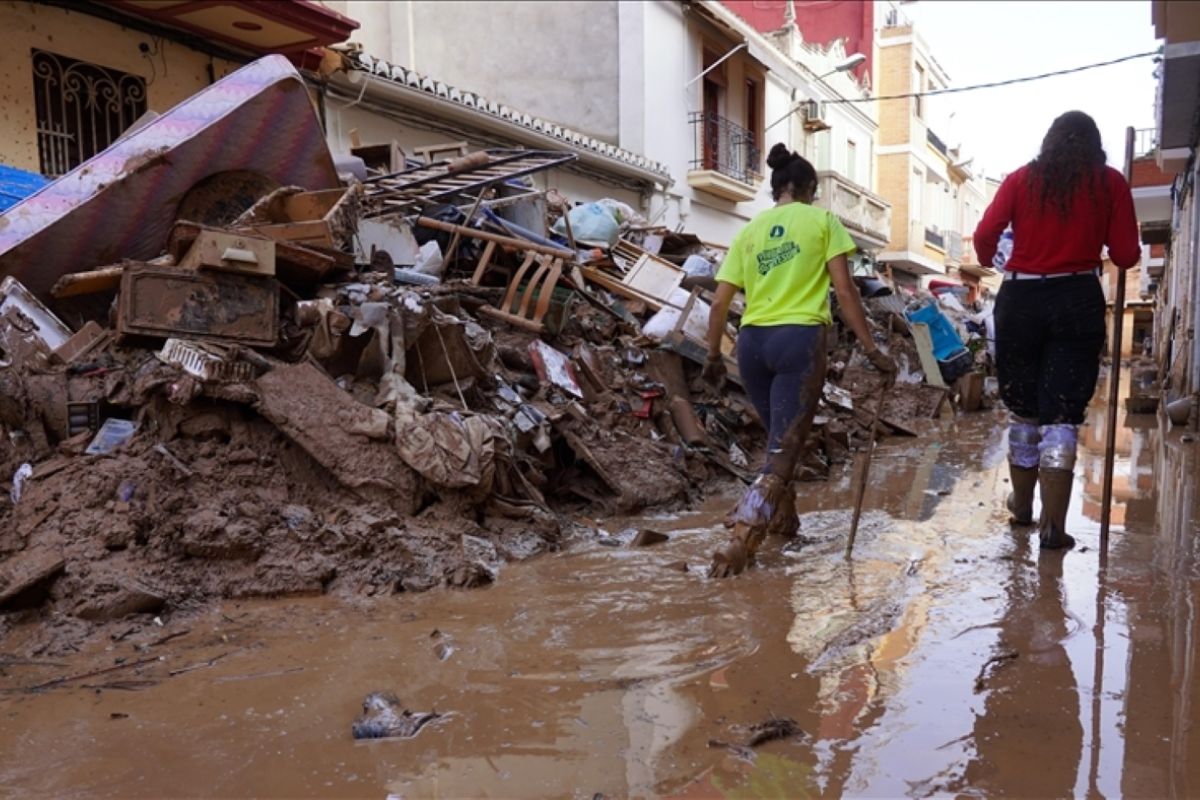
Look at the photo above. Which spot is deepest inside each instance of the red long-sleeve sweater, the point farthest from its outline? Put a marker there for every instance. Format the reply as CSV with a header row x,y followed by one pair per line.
x,y
1045,243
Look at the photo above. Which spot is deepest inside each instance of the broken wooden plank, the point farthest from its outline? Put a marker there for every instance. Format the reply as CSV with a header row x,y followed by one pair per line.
x,y
105,279
26,570
488,236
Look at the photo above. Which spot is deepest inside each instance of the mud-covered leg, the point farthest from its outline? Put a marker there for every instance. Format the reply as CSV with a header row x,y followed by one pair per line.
x,y
768,505
1056,477
1023,456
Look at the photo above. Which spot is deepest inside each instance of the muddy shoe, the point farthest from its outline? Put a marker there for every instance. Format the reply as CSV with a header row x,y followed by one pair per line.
x,y
738,552
1056,497
730,560
1020,500
784,522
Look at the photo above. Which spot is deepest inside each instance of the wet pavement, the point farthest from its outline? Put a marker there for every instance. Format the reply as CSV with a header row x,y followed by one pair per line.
x,y
948,657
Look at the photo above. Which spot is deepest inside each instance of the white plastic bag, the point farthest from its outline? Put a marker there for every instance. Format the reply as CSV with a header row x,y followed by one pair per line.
x,y
663,322
23,473
591,223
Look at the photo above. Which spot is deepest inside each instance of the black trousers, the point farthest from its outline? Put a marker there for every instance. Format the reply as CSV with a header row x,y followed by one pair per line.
x,y
1049,336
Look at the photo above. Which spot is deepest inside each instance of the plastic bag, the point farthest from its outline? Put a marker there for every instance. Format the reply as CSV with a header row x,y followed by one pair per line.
x,y
698,266
592,224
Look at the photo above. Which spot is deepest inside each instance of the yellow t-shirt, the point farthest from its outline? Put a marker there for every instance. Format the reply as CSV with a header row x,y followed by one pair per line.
x,y
779,259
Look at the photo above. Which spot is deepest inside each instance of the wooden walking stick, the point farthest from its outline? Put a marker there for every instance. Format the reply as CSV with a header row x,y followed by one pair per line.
x,y
1114,379
861,488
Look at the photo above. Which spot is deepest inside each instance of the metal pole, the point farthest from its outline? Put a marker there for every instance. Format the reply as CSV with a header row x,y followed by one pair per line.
x,y
1114,378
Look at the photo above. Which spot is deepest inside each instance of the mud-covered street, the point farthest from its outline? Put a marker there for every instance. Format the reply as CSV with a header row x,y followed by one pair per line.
x,y
949,656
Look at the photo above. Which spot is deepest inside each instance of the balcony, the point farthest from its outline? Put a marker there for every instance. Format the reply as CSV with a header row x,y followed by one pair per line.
x,y
935,239
866,216
725,158
936,143
954,248
1145,142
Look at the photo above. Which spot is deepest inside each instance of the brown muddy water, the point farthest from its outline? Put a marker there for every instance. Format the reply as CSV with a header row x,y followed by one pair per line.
x,y
949,657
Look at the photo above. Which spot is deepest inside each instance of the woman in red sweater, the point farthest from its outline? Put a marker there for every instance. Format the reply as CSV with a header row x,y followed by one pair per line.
x,y
1065,207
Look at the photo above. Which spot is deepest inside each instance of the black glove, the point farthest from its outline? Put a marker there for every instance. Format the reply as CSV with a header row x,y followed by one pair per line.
x,y
714,371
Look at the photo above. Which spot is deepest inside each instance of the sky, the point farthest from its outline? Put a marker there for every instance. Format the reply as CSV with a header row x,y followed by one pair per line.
x,y
979,41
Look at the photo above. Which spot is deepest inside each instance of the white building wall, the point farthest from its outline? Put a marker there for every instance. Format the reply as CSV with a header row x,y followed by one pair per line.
x,y
554,60
647,53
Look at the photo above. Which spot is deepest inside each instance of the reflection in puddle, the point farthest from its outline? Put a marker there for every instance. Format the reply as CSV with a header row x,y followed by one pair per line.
x,y
950,656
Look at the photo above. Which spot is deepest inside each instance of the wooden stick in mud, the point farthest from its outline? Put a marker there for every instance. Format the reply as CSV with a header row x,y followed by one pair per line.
x,y
1114,378
861,489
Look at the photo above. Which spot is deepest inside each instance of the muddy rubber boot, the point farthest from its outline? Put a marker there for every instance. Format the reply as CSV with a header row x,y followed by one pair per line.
x,y
1020,499
785,522
755,511
1056,487
734,557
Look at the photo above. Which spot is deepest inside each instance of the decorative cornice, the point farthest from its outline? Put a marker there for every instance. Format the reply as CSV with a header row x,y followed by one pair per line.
x,y
480,104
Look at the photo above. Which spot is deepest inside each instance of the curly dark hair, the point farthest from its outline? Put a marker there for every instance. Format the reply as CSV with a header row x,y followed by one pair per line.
x,y
1071,158
790,172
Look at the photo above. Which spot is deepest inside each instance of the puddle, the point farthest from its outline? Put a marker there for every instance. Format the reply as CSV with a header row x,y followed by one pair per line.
x,y
948,656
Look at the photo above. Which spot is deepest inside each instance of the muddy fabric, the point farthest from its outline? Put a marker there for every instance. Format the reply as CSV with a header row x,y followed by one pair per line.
x,y
1049,335
1057,446
452,450
1023,438
776,364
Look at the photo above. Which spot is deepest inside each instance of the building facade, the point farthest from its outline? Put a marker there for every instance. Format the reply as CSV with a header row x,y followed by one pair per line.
x,y
1177,134
78,77
692,92
936,197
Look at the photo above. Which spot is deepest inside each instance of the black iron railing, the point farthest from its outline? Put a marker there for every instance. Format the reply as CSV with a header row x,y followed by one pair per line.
x,y
937,143
934,238
720,145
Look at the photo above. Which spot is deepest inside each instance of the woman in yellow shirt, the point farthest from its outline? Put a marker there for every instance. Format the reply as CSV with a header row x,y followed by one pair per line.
x,y
784,260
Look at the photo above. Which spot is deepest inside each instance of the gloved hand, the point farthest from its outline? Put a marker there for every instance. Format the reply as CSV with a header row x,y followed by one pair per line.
x,y
884,363
714,370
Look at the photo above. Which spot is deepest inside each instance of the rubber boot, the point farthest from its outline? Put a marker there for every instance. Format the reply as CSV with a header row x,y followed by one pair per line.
x,y
1020,499
758,508
1056,487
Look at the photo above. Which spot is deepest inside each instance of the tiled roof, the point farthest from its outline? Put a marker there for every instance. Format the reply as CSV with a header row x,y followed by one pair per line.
x,y
481,104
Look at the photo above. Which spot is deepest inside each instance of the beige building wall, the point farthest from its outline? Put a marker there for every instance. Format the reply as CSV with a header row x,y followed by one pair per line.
x,y
895,66
172,71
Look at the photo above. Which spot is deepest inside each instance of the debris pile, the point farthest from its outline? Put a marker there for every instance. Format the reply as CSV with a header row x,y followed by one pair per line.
x,y
359,386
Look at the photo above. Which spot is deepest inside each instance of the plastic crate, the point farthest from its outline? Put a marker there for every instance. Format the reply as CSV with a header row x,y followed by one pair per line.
x,y
946,342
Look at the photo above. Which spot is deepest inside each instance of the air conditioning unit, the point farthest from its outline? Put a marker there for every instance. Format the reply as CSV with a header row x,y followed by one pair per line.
x,y
813,113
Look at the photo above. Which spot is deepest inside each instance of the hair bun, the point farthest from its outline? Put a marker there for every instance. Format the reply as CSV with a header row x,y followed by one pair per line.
x,y
779,156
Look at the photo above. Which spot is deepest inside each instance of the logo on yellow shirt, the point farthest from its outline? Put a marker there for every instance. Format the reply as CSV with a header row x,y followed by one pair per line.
x,y
773,257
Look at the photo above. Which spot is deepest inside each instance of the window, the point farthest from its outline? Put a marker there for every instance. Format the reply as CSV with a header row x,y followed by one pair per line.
x,y
919,86
852,160
752,118
81,109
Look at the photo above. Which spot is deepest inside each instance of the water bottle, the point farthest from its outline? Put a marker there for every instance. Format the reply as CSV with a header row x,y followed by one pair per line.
x,y
1003,250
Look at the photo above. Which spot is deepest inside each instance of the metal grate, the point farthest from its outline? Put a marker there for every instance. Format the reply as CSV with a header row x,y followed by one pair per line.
x,y
81,109
720,145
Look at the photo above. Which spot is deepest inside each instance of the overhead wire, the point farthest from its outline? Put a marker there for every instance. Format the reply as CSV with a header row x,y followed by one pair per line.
x,y
993,84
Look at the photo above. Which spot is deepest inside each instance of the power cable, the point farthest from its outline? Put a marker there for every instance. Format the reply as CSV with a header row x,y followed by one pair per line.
x,y
994,84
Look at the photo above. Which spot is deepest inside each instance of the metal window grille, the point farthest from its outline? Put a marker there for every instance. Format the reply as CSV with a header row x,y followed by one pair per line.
x,y
725,147
81,109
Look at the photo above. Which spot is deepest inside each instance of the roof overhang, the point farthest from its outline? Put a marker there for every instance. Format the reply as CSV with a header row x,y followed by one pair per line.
x,y
1179,95
1152,203
388,85
257,27
978,271
914,263
1158,232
